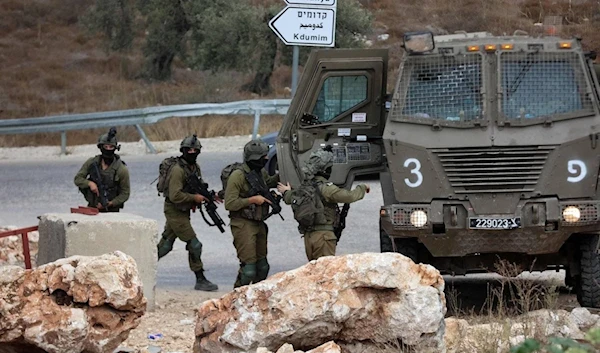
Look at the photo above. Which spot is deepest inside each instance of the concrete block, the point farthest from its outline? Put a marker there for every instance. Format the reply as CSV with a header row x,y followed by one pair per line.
x,y
67,234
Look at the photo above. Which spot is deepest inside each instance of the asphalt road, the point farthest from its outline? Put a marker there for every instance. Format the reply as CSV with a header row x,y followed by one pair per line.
x,y
30,189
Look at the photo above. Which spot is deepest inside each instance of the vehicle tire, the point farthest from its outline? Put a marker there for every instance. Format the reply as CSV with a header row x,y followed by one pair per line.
x,y
588,286
273,167
407,247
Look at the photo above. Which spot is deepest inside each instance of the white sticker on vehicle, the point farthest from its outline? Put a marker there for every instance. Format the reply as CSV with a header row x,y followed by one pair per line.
x,y
344,131
416,171
359,117
577,169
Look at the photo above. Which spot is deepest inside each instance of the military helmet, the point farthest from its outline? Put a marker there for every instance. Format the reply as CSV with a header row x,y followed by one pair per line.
x,y
318,162
108,139
255,150
190,142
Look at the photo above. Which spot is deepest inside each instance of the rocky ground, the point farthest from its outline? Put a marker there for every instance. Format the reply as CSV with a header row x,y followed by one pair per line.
x,y
174,318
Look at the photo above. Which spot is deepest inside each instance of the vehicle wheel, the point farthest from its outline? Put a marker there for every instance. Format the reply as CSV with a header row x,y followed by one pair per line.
x,y
273,167
407,247
588,286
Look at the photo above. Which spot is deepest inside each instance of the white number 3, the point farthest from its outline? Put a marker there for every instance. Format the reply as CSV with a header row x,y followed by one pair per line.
x,y
578,173
416,170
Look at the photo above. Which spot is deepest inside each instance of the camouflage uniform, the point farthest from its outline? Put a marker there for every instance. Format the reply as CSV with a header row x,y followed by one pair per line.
x,y
177,207
247,220
321,240
115,177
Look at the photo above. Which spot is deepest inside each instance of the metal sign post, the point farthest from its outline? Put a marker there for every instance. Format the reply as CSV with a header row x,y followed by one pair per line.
x,y
305,23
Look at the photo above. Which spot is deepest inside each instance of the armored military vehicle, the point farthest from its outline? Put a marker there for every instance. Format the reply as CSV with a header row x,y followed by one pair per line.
x,y
487,147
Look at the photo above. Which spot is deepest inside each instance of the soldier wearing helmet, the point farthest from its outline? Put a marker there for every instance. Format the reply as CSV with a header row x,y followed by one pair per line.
x,y
247,213
105,176
320,240
177,207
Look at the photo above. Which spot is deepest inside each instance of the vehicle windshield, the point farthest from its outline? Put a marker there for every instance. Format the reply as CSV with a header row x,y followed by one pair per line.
x,y
447,88
539,85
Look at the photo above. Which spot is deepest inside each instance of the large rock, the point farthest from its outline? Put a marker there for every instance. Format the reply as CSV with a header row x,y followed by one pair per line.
x,y
77,304
362,300
11,248
68,234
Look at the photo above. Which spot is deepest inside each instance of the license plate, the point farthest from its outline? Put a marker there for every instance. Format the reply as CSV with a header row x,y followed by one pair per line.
x,y
494,223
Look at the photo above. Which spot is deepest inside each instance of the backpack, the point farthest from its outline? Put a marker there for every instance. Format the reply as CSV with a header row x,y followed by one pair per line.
x,y
307,205
164,173
226,173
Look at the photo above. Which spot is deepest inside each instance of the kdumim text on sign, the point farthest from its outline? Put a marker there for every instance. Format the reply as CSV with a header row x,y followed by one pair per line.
x,y
313,38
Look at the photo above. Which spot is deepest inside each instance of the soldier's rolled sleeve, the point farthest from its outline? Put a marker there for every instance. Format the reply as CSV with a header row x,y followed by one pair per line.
x,y
81,176
334,194
176,181
287,197
125,188
235,184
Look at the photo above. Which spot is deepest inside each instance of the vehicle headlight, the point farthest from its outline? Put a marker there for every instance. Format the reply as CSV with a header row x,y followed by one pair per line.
x,y
418,218
571,214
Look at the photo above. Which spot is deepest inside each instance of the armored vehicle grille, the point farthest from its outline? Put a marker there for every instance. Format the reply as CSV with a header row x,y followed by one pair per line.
x,y
493,169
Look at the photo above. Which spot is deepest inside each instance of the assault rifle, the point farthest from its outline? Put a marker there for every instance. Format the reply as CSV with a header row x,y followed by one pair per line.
x,y
195,185
96,177
258,187
342,221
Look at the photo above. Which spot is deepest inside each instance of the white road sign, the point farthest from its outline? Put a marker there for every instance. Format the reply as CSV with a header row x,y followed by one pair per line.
x,y
305,26
311,2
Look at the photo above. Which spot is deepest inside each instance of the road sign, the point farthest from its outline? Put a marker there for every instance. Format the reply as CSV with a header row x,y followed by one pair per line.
x,y
311,2
305,26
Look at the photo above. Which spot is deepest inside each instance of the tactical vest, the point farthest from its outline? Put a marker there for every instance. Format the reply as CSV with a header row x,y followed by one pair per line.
x,y
331,212
252,212
187,170
109,178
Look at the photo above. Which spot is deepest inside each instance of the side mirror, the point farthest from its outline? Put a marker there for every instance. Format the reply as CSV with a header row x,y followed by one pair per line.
x,y
418,42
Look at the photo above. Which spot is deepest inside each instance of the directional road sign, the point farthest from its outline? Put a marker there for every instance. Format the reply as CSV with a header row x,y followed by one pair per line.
x,y
311,2
305,26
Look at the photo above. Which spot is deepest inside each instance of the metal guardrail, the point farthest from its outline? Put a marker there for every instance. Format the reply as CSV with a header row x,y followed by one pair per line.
x,y
143,116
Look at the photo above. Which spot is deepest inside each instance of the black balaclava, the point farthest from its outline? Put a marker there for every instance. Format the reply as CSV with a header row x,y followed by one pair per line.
x,y
326,173
257,164
190,157
108,156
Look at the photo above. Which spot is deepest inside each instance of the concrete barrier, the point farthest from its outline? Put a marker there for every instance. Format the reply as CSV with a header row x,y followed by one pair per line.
x,y
67,234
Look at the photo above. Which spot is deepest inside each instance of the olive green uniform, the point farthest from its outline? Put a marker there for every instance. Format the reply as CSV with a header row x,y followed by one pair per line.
x,y
115,178
247,226
321,241
177,207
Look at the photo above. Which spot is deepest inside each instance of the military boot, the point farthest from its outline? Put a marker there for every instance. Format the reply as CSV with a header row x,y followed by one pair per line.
x,y
203,284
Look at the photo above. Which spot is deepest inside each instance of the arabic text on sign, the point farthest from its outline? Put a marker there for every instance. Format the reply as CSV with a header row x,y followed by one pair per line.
x,y
313,25
312,14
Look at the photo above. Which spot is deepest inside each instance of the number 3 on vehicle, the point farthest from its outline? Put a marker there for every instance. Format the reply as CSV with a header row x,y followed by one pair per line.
x,y
577,169
416,171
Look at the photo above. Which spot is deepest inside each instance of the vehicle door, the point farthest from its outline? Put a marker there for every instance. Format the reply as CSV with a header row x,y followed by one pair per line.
x,y
340,101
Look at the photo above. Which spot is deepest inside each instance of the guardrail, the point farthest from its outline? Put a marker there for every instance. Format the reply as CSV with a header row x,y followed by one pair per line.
x,y
143,116
24,233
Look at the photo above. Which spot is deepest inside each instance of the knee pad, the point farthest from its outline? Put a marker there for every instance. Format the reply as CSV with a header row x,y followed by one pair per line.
x,y
165,246
262,269
194,248
247,274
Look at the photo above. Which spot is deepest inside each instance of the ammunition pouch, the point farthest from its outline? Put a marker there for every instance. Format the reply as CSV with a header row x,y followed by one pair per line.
x,y
252,212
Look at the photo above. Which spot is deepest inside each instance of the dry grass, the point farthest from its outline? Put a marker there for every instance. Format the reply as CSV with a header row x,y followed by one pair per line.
x,y
49,65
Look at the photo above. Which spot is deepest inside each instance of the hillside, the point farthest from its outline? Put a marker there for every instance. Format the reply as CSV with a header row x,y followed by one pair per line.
x,y
49,63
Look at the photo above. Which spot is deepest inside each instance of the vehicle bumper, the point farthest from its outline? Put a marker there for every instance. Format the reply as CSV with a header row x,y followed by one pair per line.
x,y
543,227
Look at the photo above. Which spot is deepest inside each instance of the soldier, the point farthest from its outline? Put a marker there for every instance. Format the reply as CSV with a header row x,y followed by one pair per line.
x,y
247,213
177,207
105,177
321,240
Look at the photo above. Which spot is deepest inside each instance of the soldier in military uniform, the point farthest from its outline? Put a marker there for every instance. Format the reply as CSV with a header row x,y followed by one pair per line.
x,y
321,240
114,176
177,207
247,213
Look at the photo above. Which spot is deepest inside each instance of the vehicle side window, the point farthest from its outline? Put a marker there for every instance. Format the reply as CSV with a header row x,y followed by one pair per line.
x,y
339,94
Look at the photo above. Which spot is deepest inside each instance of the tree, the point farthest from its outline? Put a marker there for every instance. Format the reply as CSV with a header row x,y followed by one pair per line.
x,y
114,19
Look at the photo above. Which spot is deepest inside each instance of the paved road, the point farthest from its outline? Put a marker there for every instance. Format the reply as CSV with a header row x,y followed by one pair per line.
x,y
29,189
